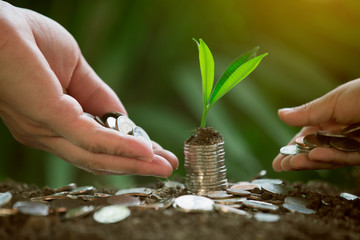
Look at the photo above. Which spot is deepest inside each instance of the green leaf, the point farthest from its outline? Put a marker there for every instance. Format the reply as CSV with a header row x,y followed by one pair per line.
x,y
225,84
207,67
238,62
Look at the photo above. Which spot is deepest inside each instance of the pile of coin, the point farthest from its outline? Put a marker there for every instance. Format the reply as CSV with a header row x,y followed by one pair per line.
x,y
242,198
205,168
121,123
343,141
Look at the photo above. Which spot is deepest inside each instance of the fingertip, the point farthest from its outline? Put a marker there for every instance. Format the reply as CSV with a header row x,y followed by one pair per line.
x,y
276,163
169,156
165,169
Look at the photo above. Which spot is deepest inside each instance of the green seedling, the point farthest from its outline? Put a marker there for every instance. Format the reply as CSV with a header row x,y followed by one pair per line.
x,y
234,74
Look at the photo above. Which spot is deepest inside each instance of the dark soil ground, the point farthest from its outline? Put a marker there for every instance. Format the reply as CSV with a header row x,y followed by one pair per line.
x,y
335,218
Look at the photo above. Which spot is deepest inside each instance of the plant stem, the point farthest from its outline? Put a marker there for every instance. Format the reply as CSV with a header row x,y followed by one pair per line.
x,y
204,115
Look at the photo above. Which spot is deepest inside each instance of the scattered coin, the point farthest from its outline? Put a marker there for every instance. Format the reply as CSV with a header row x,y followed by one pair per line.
x,y
348,196
162,204
124,125
289,150
238,192
260,205
260,182
82,190
125,200
297,204
276,188
266,217
140,133
219,194
345,144
244,186
230,201
32,208
5,198
49,197
173,184
111,214
69,187
79,212
102,195
191,203
146,192
254,196
229,209
315,140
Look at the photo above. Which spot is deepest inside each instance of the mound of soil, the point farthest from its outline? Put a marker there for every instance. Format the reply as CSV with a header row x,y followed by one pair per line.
x,y
205,136
334,218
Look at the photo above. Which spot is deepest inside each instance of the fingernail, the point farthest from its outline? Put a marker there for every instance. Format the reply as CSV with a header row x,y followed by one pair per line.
x,y
286,109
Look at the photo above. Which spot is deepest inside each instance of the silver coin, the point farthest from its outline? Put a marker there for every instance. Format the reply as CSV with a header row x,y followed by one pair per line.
x,y
260,205
82,190
259,182
110,122
244,186
238,192
162,204
125,200
289,150
298,208
230,201
32,208
276,188
190,203
5,198
348,196
146,192
229,209
140,133
79,212
219,195
124,125
111,214
173,184
297,204
113,114
266,217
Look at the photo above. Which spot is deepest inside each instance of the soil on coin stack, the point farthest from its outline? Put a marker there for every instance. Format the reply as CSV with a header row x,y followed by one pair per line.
x,y
204,136
335,218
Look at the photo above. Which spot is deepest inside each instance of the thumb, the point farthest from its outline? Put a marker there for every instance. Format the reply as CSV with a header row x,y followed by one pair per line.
x,y
315,112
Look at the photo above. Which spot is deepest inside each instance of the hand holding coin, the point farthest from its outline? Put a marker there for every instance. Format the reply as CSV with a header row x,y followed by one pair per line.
x,y
335,113
46,85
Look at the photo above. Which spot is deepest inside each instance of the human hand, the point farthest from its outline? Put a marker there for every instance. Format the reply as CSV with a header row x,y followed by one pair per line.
x,y
332,112
45,87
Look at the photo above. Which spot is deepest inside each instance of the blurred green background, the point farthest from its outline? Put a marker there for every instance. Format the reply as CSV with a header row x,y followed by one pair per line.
x,y
144,51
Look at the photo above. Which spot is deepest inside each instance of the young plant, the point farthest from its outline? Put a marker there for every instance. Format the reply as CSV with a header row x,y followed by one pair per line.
x,y
235,73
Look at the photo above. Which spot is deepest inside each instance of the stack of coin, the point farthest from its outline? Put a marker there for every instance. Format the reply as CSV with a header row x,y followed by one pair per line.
x,y
343,141
205,168
123,124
